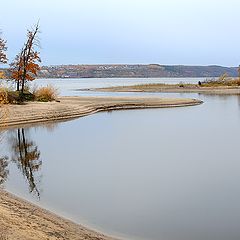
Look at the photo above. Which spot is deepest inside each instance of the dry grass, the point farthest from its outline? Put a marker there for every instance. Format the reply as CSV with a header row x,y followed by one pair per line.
x,y
213,83
3,110
3,96
154,86
3,102
231,82
226,82
43,94
46,94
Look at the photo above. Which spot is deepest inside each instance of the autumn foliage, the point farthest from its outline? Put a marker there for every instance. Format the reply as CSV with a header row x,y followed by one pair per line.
x,y
26,64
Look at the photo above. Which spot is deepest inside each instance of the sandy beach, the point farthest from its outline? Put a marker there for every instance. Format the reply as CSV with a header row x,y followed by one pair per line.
x,y
23,220
73,107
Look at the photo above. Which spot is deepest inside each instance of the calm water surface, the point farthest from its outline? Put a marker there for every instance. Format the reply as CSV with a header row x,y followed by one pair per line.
x,y
161,174
68,87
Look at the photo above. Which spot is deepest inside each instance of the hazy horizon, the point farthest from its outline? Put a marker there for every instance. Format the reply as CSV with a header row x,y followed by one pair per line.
x,y
187,65
127,32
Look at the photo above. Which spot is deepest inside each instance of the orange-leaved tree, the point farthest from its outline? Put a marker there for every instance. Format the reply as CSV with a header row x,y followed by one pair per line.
x,y
26,64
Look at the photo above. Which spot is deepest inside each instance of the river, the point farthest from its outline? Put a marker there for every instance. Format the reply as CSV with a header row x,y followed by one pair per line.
x,y
170,174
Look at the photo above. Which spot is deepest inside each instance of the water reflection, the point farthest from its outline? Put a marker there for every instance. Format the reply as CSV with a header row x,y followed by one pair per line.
x,y
50,127
26,155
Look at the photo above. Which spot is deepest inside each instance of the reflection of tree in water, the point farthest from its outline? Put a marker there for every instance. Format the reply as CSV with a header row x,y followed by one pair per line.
x,y
27,157
3,169
3,160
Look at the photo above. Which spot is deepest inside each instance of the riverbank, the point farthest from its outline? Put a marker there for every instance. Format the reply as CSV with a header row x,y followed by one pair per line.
x,y
74,107
174,88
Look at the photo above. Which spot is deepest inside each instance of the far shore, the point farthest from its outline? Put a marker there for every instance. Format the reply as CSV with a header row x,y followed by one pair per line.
x,y
23,220
171,88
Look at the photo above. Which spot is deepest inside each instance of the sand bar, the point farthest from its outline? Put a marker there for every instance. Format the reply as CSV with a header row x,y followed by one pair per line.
x,y
74,107
168,88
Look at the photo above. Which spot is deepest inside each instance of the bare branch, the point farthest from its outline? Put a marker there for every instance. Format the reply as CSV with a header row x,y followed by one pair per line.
x,y
3,49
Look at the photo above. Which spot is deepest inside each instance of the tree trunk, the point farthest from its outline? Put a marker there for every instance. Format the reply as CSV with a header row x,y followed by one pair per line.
x,y
23,83
19,146
18,85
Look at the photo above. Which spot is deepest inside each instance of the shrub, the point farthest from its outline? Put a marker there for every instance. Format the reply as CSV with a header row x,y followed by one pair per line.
x,y
3,96
3,108
46,94
181,84
227,82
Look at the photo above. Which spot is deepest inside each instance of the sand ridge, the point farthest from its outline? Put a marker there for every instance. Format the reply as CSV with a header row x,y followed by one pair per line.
x,y
74,107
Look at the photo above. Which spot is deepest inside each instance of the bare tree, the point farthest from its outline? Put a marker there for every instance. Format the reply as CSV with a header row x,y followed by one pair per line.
x,y
25,66
3,49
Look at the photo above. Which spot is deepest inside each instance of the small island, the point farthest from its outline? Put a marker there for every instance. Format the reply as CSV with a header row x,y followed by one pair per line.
x,y
222,86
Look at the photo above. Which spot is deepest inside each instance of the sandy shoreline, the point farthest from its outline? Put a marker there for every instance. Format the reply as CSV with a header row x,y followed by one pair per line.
x,y
22,220
74,107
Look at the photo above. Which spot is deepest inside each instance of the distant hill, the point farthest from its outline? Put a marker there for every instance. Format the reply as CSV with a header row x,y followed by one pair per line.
x,y
133,71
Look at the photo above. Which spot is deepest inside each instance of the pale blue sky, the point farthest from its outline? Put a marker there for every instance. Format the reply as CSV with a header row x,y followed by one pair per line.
x,y
193,32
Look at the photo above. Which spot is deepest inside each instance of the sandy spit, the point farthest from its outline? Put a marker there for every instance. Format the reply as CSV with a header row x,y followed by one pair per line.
x,y
172,89
21,220
74,107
